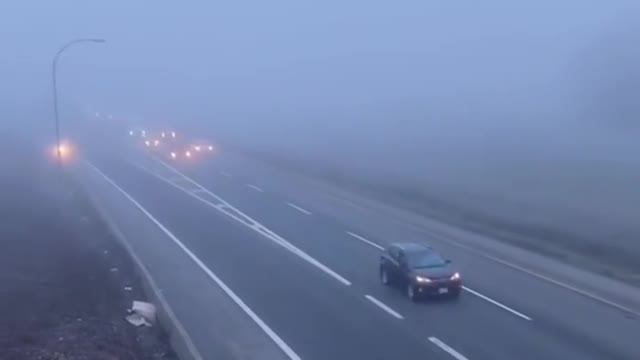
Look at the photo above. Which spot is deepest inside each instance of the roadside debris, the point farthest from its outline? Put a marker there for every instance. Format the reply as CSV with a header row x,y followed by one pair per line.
x,y
141,313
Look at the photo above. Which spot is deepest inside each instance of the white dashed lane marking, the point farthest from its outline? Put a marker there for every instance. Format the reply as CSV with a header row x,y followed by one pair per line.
x,y
254,187
451,351
368,242
471,291
299,208
384,307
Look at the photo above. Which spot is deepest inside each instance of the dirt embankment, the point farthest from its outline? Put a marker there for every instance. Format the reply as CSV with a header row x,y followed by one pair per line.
x,y
65,282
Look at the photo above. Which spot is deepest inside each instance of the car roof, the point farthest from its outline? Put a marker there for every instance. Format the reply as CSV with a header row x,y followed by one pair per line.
x,y
411,247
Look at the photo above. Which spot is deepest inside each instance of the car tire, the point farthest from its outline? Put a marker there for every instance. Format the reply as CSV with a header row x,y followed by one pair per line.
x,y
411,292
384,277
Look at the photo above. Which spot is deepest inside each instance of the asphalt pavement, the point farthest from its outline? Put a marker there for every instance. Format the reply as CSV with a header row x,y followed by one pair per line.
x,y
305,267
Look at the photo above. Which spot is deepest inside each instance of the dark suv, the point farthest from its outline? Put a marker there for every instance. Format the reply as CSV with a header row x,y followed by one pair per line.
x,y
419,270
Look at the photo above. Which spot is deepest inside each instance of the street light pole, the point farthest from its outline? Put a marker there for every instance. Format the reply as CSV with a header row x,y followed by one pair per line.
x,y
54,75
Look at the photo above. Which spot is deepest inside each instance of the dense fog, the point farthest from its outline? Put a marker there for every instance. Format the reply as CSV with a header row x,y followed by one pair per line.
x,y
524,110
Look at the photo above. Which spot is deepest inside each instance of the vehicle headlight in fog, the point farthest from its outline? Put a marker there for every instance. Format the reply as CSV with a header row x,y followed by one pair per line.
x,y
422,279
156,142
455,276
187,154
197,148
162,134
173,134
210,148
146,142
130,132
173,155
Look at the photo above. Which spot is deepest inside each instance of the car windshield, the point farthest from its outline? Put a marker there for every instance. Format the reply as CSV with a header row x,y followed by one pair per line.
x,y
425,259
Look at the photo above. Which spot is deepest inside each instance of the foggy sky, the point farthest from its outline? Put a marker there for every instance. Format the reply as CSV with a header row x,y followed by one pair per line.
x,y
531,102
409,79
287,63
354,79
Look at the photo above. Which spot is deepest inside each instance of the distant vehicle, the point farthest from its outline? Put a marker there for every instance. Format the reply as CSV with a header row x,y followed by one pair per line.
x,y
203,147
168,134
187,154
419,270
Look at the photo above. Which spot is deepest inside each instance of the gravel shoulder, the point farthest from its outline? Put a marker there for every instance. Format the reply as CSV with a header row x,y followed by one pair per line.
x,y
65,282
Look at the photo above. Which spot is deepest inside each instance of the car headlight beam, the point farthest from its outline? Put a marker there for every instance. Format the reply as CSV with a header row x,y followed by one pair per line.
x,y
455,276
422,279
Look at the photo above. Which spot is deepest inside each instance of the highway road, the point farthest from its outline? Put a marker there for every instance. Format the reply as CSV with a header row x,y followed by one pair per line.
x,y
303,263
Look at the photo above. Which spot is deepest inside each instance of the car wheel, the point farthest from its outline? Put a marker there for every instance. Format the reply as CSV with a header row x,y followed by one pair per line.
x,y
384,277
411,292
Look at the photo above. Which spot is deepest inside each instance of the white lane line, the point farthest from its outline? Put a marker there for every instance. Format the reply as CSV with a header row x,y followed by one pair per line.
x,y
276,339
511,265
486,298
229,210
184,334
251,186
447,348
224,173
532,273
299,208
502,306
368,242
384,307
196,191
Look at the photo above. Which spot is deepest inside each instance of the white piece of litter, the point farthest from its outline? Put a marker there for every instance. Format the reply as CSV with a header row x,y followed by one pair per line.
x,y
142,310
137,320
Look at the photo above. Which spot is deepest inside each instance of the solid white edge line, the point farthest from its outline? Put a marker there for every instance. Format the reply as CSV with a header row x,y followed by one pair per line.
x,y
274,337
486,298
254,187
191,347
451,351
558,283
368,242
532,273
299,208
384,307
502,306
256,226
